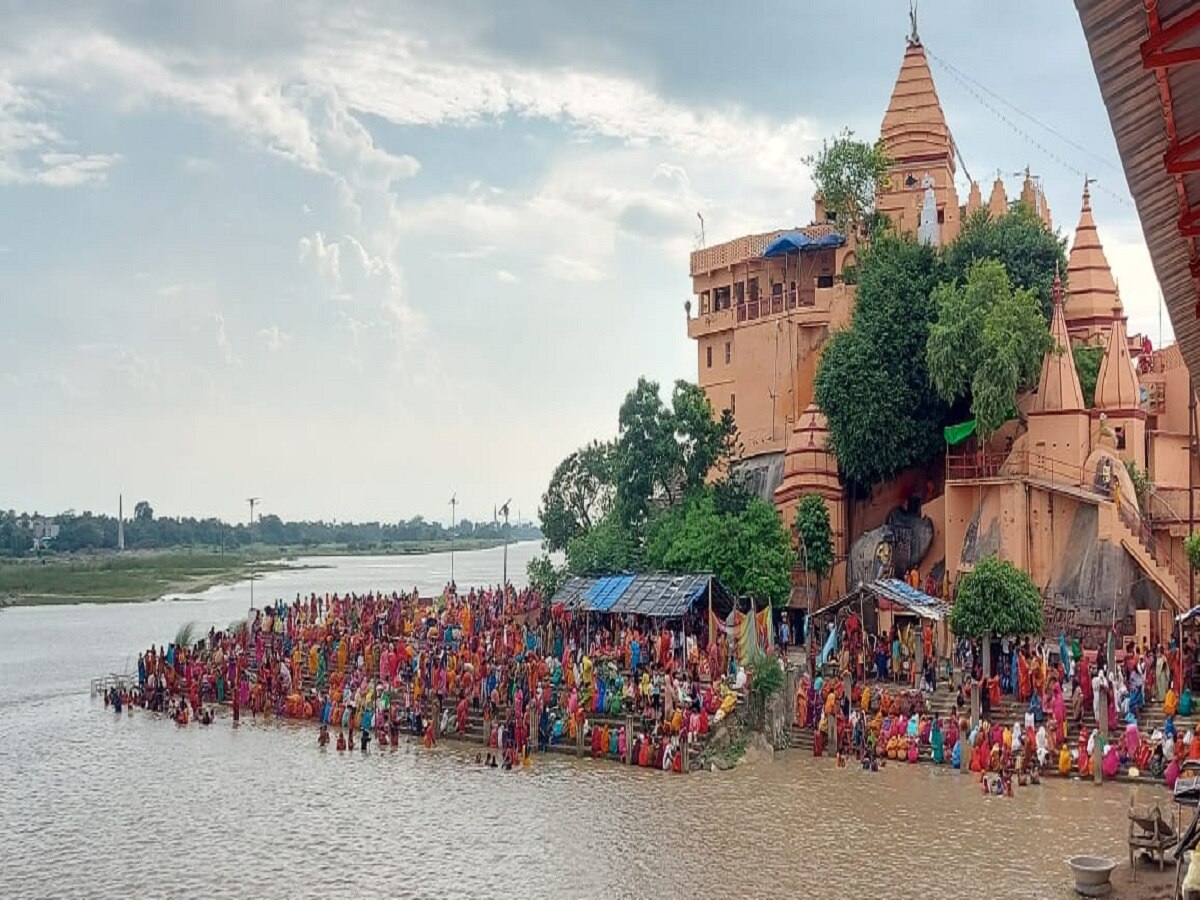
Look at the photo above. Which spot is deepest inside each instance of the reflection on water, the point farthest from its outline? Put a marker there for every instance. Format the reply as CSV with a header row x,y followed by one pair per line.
x,y
96,805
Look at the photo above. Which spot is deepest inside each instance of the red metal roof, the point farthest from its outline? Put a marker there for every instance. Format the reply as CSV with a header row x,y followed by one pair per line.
x,y
1146,54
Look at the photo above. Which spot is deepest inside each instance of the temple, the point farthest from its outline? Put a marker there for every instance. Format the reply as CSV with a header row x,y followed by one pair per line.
x,y
1053,491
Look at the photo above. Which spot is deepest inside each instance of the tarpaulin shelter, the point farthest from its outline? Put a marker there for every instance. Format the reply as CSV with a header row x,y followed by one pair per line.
x,y
794,241
655,595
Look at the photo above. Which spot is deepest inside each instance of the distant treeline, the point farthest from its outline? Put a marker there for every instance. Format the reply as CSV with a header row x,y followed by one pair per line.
x,y
21,533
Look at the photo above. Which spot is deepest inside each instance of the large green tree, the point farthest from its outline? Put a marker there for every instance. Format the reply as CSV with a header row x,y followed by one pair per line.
x,y
996,598
1031,253
664,451
849,174
580,493
987,344
872,383
747,548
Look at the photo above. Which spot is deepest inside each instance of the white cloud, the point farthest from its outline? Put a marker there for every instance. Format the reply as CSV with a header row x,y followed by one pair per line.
x,y
32,151
223,343
506,277
275,338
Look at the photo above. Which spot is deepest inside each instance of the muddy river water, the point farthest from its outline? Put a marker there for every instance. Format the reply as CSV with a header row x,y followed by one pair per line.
x,y
98,805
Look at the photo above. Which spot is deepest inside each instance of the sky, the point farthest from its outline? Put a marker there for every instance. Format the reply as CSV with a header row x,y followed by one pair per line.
x,y
357,258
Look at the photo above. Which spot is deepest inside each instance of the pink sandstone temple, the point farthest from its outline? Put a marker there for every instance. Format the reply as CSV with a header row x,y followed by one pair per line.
x,y
1051,494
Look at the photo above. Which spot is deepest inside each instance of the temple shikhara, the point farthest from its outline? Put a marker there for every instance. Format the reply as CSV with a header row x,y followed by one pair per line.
x,y
1049,491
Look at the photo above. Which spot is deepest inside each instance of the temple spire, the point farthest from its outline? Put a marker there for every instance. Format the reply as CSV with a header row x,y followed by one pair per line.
x,y
1059,389
1093,290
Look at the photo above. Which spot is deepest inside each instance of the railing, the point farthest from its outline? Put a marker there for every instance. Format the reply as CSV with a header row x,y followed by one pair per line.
x,y
984,464
1159,550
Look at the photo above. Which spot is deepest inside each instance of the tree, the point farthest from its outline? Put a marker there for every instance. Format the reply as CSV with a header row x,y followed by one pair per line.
x,y
987,344
143,512
996,598
1191,546
815,535
545,577
749,550
872,383
662,452
1087,367
580,493
1031,253
609,546
849,174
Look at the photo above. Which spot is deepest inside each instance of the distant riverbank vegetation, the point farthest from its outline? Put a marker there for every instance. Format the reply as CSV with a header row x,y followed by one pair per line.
x,y
34,534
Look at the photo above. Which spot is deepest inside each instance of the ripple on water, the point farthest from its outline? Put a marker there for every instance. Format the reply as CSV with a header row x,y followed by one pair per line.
x,y
113,806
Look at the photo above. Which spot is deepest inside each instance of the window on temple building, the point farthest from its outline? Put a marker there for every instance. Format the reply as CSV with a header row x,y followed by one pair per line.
x,y
708,352
728,352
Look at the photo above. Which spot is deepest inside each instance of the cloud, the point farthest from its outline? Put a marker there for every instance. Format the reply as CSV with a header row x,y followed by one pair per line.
x,y
506,277
223,343
33,151
275,338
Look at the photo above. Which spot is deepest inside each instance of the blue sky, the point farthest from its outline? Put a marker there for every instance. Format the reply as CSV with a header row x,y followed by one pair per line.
x,y
354,258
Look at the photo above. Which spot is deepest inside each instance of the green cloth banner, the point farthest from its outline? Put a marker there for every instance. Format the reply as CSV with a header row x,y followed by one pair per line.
x,y
956,434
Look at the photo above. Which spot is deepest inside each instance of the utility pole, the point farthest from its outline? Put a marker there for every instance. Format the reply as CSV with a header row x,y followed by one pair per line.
x,y
252,501
504,512
453,525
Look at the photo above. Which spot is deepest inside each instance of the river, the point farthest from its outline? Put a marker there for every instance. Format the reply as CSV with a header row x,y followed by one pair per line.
x,y
98,805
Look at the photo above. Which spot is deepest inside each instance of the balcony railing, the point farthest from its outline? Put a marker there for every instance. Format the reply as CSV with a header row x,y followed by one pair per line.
x,y
984,464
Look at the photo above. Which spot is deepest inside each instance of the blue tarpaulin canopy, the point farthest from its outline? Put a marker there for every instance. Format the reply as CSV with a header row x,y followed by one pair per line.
x,y
794,241
657,595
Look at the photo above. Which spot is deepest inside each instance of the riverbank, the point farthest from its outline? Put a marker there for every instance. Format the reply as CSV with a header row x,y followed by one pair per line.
x,y
142,575
122,578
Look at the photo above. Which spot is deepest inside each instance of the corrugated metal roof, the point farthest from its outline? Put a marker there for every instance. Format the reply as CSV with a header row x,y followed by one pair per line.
x,y
655,595
1115,30
908,597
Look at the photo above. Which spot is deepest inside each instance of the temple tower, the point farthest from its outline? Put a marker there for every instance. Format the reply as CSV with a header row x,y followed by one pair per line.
x,y
810,468
1092,305
1059,439
916,137
1118,399
998,201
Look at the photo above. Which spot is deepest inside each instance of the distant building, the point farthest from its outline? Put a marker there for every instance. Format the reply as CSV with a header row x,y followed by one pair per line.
x,y
43,531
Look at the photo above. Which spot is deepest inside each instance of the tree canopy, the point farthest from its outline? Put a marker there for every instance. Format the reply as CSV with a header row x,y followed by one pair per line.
x,y
872,382
1030,252
580,493
987,344
665,513
814,535
1087,367
996,598
849,174
748,549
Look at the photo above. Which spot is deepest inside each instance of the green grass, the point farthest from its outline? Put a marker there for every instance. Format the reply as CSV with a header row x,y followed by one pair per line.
x,y
119,577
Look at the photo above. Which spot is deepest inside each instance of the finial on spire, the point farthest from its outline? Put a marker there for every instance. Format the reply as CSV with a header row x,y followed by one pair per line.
x,y
914,39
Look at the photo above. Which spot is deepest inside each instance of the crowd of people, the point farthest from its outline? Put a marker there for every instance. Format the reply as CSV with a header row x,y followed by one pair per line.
x,y
376,667
880,704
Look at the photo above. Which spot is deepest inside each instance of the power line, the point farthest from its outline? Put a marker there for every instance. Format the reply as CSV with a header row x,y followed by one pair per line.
x,y
967,84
